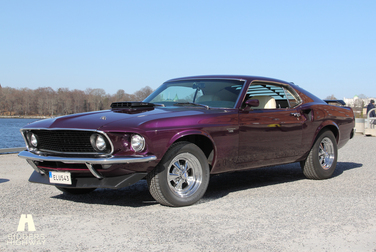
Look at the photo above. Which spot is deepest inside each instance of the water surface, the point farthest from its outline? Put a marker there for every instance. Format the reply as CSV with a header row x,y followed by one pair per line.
x,y
10,136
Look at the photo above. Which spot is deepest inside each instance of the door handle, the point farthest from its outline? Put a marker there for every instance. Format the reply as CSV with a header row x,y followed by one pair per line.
x,y
295,114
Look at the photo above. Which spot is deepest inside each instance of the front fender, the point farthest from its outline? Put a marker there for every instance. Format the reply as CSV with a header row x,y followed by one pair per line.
x,y
199,137
185,133
161,141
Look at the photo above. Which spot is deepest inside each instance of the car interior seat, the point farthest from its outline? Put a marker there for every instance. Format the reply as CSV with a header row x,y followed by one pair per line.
x,y
265,102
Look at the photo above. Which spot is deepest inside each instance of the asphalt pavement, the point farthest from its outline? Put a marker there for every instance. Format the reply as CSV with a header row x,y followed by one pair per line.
x,y
268,209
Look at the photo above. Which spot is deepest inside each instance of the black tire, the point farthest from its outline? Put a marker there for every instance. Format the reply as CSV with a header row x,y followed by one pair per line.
x,y
182,176
322,159
71,190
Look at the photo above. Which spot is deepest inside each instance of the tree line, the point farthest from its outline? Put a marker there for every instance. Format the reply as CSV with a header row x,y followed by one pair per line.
x,y
45,101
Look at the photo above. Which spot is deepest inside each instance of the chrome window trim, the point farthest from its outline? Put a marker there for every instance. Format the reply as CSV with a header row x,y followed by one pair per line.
x,y
285,90
204,78
294,94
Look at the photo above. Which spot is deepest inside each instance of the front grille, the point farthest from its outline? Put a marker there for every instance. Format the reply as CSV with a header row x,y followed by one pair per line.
x,y
64,141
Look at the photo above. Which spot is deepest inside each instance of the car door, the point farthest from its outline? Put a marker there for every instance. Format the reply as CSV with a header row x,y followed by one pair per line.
x,y
272,132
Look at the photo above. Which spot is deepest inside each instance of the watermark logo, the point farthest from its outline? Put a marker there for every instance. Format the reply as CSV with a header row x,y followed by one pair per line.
x,y
26,219
23,238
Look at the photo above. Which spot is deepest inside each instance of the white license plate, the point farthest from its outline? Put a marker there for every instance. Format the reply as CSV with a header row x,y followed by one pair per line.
x,y
60,178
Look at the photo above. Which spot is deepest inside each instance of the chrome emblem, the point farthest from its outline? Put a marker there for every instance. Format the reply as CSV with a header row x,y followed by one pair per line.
x,y
103,118
231,130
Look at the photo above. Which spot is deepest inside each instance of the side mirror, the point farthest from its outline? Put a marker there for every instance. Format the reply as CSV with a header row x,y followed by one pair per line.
x,y
252,103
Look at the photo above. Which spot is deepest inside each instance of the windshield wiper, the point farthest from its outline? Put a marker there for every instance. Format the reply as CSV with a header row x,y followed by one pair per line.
x,y
159,104
191,104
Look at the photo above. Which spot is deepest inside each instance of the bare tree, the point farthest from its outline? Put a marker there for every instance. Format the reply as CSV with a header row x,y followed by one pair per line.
x,y
95,98
358,103
2,101
143,93
48,102
362,96
78,98
331,97
119,95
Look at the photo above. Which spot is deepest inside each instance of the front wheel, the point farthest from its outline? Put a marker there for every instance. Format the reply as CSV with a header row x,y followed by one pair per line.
x,y
182,176
322,159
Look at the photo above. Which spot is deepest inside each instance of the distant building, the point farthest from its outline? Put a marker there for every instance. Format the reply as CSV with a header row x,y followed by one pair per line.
x,y
359,105
357,102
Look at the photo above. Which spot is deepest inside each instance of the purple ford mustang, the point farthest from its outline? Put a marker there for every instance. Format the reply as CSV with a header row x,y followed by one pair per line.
x,y
186,130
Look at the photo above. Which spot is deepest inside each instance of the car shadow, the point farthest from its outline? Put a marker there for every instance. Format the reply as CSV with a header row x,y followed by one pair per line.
x,y
3,180
136,195
344,166
220,185
223,184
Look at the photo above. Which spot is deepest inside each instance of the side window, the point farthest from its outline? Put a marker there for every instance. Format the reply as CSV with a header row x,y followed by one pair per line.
x,y
272,96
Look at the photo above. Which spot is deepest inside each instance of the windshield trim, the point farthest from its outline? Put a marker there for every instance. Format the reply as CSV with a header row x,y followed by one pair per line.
x,y
191,103
242,84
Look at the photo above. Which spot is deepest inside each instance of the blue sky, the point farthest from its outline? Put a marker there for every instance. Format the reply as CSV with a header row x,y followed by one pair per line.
x,y
327,47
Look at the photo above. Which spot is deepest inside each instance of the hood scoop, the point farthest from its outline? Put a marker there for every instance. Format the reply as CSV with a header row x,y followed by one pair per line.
x,y
134,107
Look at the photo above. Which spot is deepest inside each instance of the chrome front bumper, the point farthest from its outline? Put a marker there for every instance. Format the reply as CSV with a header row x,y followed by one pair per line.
x,y
83,160
89,162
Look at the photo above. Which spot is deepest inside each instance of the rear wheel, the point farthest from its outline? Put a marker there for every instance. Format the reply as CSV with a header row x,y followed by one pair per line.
x,y
322,159
70,190
182,176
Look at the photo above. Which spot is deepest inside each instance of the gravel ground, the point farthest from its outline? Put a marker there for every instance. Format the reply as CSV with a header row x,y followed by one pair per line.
x,y
268,209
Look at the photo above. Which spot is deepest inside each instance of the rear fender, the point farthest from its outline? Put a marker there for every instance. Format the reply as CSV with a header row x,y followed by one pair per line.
x,y
330,125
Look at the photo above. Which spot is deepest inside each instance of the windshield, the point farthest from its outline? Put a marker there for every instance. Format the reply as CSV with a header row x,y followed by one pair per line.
x,y
213,93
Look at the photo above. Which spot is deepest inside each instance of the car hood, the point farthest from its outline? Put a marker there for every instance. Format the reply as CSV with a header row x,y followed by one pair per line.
x,y
117,120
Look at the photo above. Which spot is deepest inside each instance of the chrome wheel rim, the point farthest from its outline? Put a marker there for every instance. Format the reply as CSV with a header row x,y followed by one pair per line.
x,y
184,175
326,153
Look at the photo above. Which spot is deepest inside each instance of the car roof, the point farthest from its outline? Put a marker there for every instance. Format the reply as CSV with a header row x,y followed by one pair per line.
x,y
308,97
248,78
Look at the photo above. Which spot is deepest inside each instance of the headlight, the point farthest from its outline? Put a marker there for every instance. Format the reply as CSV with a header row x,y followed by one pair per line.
x,y
137,143
98,142
33,140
